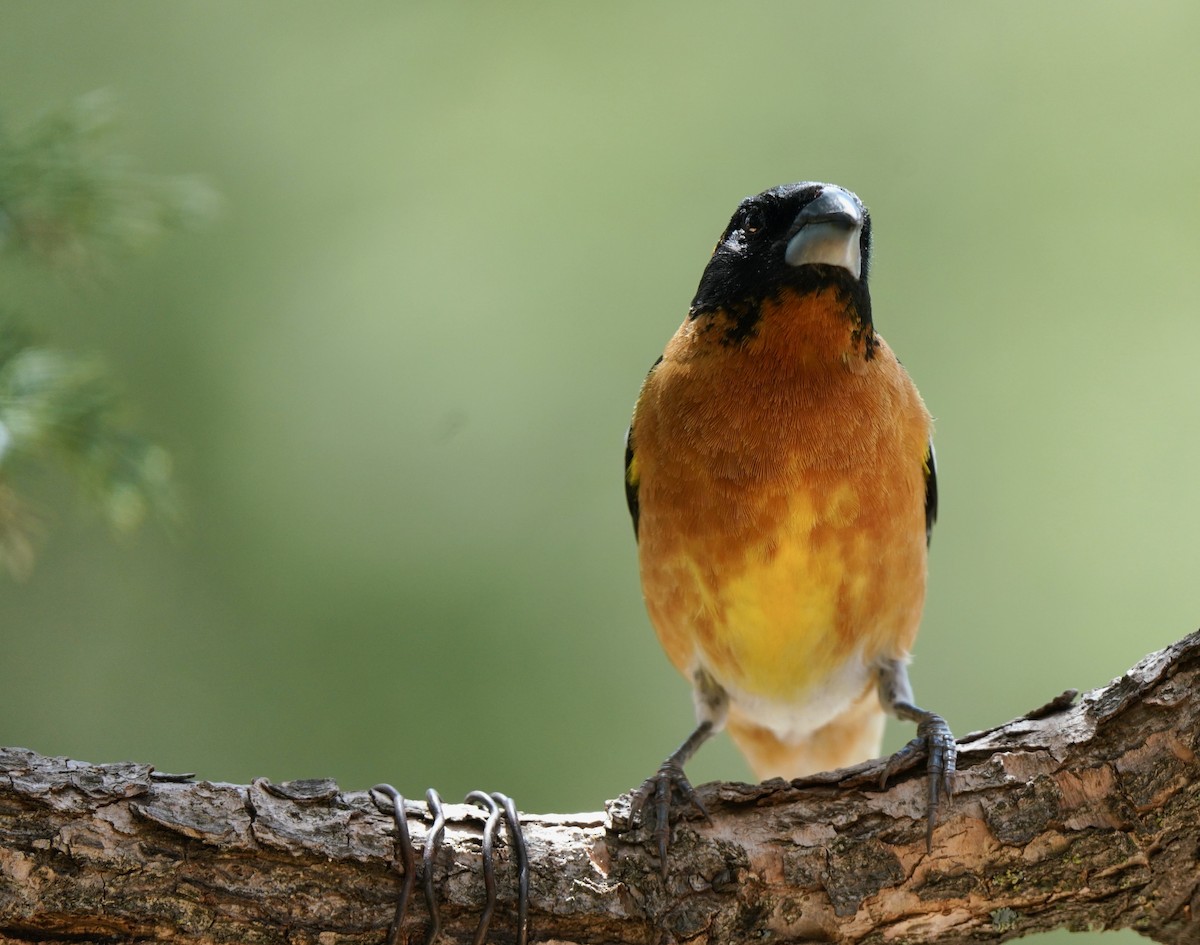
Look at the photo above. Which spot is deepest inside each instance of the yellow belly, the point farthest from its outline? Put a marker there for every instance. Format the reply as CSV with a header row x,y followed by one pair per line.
x,y
782,508
777,611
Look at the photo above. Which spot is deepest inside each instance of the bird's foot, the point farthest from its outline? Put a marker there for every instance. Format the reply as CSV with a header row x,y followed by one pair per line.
x,y
498,806
662,786
935,741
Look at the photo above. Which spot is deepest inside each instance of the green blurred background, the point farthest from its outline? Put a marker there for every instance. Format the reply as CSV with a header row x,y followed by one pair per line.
x,y
396,371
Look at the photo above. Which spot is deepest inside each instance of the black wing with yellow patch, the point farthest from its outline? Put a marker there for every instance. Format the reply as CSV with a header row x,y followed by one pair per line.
x,y
931,497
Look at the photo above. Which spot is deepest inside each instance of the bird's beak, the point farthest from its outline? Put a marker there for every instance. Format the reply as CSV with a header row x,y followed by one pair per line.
x,y
828,231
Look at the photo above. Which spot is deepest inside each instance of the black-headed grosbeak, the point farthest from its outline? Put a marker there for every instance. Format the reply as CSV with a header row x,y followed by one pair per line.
x,y
780,474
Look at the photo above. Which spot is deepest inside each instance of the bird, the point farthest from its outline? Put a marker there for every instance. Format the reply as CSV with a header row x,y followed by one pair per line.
x,y
781,477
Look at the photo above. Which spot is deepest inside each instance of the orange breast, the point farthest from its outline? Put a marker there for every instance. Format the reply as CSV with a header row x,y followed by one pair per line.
x,y
781,492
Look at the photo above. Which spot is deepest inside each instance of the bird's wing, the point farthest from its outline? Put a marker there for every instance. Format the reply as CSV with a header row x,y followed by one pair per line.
x,y
931,497
631,463
631,479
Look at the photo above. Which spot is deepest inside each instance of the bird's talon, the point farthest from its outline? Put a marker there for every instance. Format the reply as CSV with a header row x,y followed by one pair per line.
x,y
935,741
663,785
668,779
902,760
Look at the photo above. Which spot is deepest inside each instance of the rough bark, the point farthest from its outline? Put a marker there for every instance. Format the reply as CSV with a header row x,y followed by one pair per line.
x,y
1079,817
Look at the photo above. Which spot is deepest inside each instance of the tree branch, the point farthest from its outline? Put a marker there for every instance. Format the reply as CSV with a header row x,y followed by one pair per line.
x,y
1079,817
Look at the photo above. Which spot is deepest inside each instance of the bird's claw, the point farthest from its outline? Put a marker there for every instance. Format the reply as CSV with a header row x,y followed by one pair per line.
x,y
662,785
497,806
934,740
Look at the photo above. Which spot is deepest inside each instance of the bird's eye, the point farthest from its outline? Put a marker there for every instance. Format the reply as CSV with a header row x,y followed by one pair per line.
x,y
752,220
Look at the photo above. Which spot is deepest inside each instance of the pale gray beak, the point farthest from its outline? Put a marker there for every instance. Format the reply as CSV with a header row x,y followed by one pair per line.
x,y
828,231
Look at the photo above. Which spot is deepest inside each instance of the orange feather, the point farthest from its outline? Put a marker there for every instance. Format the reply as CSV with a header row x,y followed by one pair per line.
x,y
782,535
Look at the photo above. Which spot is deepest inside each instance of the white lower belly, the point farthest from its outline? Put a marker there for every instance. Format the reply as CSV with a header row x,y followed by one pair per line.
x,y
792,720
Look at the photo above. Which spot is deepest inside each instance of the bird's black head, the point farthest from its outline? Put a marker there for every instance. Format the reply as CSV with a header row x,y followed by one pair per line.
x,y
803,237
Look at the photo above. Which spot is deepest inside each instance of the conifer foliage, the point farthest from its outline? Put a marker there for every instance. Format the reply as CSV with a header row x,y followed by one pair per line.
x,y
70,204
